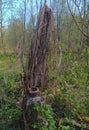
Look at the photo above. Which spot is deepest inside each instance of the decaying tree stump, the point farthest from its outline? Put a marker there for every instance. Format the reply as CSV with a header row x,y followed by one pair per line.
x,y
39,49
36,75
29,113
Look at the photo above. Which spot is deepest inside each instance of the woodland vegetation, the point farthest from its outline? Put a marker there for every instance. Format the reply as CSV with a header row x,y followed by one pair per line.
x,y
65,91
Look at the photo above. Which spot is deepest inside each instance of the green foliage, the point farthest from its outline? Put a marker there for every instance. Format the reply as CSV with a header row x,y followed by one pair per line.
x,y
68,124
61,126
2,56
9,115
63,107
12,79
6,56
45,112
11,86
10,94
74,80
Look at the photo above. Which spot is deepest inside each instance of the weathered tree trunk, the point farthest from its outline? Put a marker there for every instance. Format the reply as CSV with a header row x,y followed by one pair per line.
x,y
39,48
30,115
36,75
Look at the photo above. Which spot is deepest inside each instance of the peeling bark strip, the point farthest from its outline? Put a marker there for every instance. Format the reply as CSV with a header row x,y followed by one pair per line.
x,y
39,48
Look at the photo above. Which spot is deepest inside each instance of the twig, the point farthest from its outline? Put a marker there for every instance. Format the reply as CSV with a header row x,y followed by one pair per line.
x,y
60,57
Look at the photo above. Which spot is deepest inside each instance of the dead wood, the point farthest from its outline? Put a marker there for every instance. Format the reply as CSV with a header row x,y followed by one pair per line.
x,y
36,75
37,65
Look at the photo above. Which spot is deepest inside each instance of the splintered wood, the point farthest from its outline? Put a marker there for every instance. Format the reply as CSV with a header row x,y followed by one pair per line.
x,y
39,48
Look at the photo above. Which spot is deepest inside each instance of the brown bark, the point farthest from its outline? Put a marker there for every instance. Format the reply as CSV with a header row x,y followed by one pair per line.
x,y
36,75
39,48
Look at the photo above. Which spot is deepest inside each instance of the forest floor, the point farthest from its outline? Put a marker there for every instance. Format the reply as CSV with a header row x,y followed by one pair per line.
x,y
68,96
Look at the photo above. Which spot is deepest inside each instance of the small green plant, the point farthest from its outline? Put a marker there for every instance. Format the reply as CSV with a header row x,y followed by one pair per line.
x,y
46,114
13,58
9,115
61,126
10,91
70,124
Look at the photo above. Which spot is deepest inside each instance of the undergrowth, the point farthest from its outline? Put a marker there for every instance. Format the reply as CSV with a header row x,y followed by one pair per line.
x,y
67,95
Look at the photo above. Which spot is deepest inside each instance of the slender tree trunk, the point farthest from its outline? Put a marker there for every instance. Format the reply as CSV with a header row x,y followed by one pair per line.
x,y
1,25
